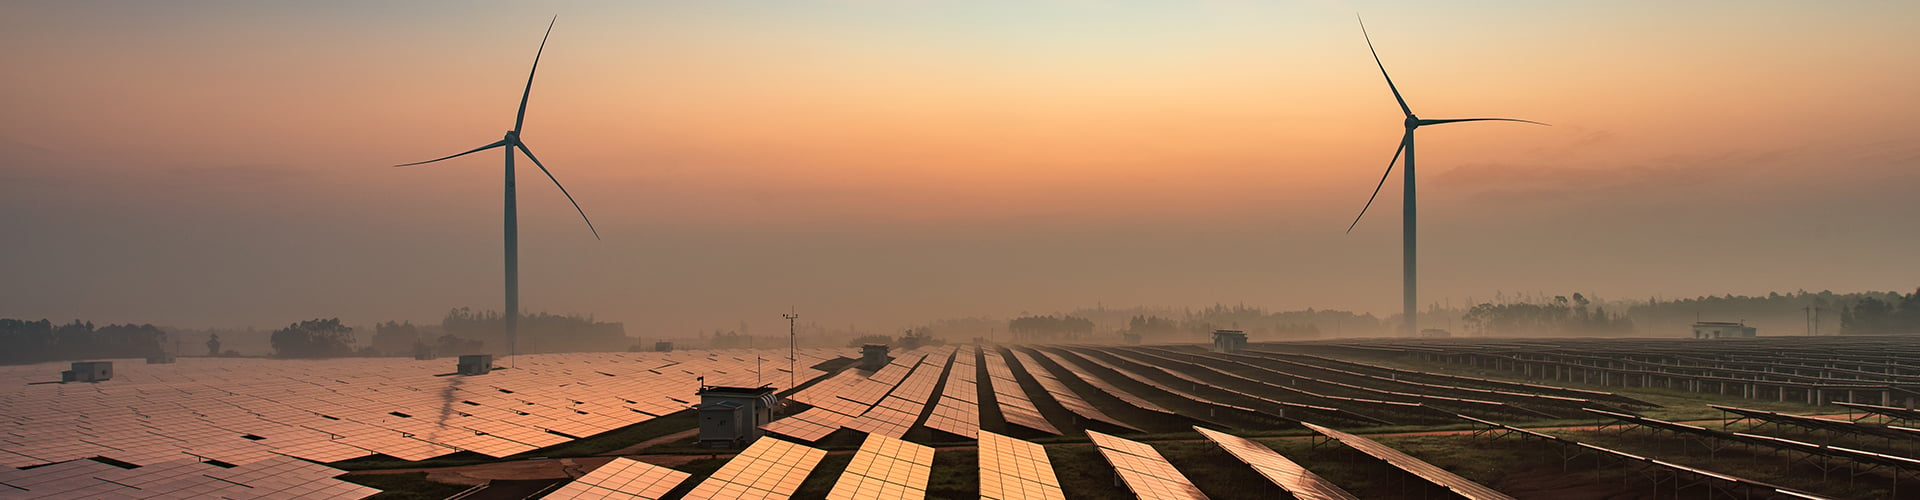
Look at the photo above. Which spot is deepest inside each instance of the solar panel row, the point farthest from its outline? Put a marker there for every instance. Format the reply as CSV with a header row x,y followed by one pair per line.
x,y
1015,406
1063,394
896,414
1086,374
1440,477
278,477
1298,481
885,467
624,479
1011,469
769,469
957,412
1147,474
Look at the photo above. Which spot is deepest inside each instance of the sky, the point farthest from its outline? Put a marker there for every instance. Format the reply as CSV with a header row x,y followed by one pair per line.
x,y
882,163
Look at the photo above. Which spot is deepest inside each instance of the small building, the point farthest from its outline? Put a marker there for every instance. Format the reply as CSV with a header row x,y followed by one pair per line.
x,y
1722,330
725,425
730,417
663,346
88,371
475,364
1229,340
873,357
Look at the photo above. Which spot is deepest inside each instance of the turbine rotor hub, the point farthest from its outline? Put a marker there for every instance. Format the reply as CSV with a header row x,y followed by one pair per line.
x,y
1413,121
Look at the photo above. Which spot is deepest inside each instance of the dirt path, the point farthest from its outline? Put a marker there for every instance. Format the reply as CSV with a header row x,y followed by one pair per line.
x,y
677,436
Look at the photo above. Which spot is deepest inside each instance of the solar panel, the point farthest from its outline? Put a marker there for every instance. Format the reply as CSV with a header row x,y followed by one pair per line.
x,y
622,478
279,477
1438,476
241,410
1065,395
1147,474
1086,374
885,467
1014,404
1011,469
957,412
1290,476
810,425
896,414
771,468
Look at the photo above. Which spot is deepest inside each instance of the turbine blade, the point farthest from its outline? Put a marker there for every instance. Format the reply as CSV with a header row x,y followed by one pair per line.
x,y
1383,179
1457,120
522,116
1383,68
448,157
563,189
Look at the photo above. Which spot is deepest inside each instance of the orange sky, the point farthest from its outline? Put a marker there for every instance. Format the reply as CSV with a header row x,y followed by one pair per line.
x,y
222,163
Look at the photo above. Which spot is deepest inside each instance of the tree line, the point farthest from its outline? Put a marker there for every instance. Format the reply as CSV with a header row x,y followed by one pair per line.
x,y
40,341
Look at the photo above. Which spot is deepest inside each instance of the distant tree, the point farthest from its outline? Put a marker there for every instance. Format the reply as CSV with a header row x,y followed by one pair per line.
x,y
1049,327
394,338
869,339
449,345
213,344
314,338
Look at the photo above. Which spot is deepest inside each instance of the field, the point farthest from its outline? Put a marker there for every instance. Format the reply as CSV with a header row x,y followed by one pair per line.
x,y
1525,418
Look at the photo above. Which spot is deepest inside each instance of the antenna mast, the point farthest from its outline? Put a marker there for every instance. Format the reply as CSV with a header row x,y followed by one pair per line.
x,y
790,315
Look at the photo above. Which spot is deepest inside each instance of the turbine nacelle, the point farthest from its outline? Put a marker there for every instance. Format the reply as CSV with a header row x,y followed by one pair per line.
x,y
1413,121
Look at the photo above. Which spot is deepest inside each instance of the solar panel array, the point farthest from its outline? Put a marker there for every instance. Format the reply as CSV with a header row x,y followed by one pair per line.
x,y
1011,469
238,410
1063,394
276,477
1146,473
255,412
770,468
1439,477
1298,481
885,467
1014,404
958,412
1073,365
622,479
897,413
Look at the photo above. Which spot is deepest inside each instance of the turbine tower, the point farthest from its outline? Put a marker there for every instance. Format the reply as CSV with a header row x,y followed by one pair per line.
x,y
1408,215
509,144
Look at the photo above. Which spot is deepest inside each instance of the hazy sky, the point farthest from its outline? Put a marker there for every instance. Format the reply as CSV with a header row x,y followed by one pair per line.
x,y
876,162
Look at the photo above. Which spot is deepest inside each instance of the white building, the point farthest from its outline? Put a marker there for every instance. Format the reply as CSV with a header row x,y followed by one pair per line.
x,y
1722,329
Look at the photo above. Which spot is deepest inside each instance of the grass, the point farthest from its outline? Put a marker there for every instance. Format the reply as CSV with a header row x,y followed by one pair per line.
x,y
1083,473
955,475
406,486
1758,464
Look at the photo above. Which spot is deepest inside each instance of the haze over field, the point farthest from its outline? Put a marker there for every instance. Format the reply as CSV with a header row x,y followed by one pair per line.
x,y
225,163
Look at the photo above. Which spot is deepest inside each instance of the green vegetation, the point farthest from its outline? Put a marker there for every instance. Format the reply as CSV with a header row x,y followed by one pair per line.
x,y
955,475
41,341
1755,464
406,486
1084,473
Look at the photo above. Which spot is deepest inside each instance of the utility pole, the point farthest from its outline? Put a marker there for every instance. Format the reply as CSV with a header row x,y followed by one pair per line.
x,y
790,315
1809,319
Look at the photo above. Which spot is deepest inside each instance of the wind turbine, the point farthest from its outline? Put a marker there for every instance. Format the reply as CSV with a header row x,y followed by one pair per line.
x,y
1408,215
510,143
